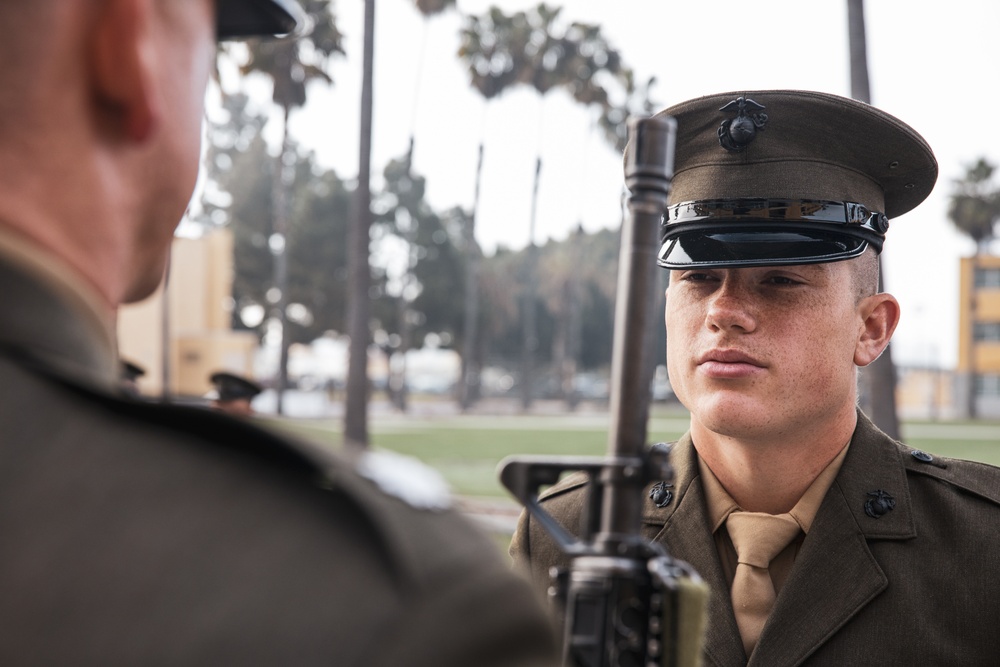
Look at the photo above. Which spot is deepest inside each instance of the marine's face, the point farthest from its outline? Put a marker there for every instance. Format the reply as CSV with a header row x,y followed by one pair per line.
x,y
240,406
183,46
760,352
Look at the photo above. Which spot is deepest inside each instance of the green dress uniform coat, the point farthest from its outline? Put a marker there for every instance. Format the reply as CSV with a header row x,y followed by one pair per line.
x,y
141,534
914,584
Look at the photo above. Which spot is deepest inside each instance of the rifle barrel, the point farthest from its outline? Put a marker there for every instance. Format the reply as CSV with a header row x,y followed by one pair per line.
x,y
648,173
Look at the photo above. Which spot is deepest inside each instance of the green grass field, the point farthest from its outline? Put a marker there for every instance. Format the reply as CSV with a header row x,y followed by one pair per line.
x,y
467,449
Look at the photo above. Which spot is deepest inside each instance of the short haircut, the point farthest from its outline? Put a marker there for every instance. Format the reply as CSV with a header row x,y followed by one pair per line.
x,y
865,274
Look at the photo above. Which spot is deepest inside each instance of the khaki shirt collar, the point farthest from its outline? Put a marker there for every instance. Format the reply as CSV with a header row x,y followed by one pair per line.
x,y
720,504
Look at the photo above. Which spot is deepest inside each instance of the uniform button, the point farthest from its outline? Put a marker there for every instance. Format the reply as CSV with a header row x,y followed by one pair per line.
x,y
921,456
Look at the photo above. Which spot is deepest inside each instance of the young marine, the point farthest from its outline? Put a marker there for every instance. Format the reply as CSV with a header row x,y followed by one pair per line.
x,y
141,534
823,541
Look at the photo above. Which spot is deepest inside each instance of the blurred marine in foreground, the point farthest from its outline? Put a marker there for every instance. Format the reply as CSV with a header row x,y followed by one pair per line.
x,y
823,541
145,534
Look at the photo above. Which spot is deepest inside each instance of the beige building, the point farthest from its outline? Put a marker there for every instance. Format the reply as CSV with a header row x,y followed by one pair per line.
x,y
926,393
979,335
193,316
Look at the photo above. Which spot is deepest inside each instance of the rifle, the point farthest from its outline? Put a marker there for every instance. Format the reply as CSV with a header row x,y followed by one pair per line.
x,y
626,602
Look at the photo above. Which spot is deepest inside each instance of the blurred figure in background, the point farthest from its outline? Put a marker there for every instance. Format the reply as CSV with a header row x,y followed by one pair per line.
x,y
130,374
234,394
138,533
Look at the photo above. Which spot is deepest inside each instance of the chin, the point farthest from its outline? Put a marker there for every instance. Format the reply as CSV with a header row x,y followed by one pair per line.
x,y
145,284
733,416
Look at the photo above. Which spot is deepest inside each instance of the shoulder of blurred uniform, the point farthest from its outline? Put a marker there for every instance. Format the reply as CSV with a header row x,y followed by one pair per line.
x,y
217,490
410,532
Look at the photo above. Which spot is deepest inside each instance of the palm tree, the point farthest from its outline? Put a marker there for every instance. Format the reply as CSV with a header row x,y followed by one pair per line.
x,y
291,64
492,47
468,387
527,48
408,231
428,9
560,291
613,118
492,70
878,379
359,270
974,206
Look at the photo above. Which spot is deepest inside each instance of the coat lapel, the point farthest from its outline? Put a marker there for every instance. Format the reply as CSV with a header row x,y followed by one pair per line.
x,y
835,575
687,536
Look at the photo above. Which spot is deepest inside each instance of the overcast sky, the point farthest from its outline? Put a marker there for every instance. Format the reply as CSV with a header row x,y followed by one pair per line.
x,y
932,64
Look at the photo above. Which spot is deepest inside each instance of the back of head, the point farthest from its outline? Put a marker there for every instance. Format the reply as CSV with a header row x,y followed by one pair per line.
x,y
100,126
23,50
29,42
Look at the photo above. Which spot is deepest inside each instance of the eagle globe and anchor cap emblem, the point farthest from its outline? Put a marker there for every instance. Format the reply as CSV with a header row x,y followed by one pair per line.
x,y
736,133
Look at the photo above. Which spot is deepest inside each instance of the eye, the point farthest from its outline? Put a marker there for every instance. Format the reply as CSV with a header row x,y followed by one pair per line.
x,y
782,280
697,276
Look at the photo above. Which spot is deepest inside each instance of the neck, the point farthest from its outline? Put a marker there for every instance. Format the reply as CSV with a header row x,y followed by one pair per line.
x,y
44,266
79,226
771,474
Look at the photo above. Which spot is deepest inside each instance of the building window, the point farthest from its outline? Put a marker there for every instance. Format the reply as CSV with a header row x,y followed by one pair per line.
x,y
987,278
986,332
988,385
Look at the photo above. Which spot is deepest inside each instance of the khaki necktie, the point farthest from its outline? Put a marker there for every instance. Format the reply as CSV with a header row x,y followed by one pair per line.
x,y
758,538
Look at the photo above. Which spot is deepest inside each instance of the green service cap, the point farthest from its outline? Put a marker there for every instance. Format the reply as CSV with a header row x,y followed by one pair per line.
x,y
766,178
236,19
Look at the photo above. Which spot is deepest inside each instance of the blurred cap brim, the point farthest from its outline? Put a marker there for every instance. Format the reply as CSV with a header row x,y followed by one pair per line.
x,y
238,19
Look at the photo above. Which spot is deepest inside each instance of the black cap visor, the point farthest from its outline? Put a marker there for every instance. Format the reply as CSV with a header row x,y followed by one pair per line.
x,y
739,246
766,232
237,19
232,387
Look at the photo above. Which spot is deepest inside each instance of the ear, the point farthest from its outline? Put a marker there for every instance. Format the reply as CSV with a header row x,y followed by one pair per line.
x,y
879,316
121,61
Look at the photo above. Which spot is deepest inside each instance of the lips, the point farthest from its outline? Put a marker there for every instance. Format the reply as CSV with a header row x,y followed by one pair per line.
x,y
729,364
729,357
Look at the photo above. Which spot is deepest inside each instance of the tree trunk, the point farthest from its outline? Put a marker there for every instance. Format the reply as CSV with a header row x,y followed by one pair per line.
x,y
878,379
971,409
356,412
857,44
530,339
397,371
279,253
470,374
469,381
568,366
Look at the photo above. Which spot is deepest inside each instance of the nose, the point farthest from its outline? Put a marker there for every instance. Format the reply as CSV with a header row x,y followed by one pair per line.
x,y
730,308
